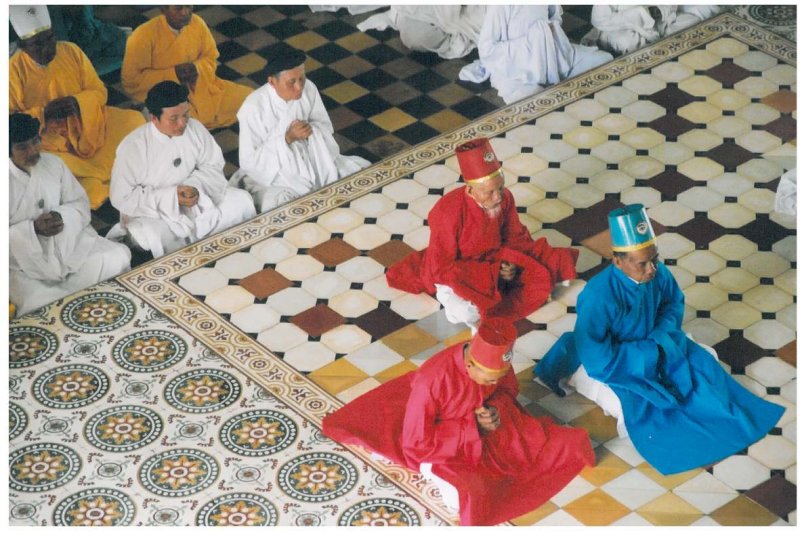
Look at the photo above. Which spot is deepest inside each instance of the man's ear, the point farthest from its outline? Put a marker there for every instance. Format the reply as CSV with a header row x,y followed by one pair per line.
x,y
617,260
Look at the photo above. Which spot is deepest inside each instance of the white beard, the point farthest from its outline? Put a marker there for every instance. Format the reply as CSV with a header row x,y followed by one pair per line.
x,y
493,212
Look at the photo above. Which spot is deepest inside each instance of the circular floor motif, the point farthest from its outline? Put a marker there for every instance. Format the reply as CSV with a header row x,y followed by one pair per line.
x,y
380,512
98,312
109,470
123,429
258,433
240,509
317,477
178,473
774,15
22,511
166,516
70,386
42,467
17,421
308,520
28,346
202,391
149,351
95,507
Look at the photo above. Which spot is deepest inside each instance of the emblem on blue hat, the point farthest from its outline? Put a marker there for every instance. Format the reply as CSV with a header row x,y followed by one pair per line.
x,y
630,228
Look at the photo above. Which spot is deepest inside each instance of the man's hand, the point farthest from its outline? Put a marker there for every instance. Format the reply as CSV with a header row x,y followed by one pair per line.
x,y
48,224
487,418
298,130
187,196
187,74
61,108
508,271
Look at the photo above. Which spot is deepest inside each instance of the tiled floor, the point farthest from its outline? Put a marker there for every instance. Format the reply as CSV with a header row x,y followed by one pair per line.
x,y
296,306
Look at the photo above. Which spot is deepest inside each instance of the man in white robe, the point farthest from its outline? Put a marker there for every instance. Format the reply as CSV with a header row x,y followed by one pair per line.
x,y
448,31
286,144
523,49
168,182
53,249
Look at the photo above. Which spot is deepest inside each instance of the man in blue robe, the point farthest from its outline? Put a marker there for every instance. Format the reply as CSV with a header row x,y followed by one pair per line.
x,y
681,408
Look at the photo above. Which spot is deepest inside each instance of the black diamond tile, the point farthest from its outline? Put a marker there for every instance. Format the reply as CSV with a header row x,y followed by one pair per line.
x,y
474,107
335,29
290,10
785,128
374,79
416,133
227,73
728,74
362,132
764,232
230,50
283,29
328,53
426,58
670,184
671,126
585,222
776,494
325,77
369,105
421,107
739,352
426,81
671,98
701,231
730,156
235,27
379,54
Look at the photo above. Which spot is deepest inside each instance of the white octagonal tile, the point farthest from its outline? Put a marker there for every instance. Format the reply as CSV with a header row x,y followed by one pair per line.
x,y
353,303
291,301
239,265
273,250
203,281
400,221
340,220
372,205
346,338
415,306
706,331
282,337
767,298
307,235
436,176
360,269
366,237
765,264
404,191
255,318
771,371
733,247
769,334
741,472
774,452
299,267
380,290
229,299
731,215
670,213
325,285
309,356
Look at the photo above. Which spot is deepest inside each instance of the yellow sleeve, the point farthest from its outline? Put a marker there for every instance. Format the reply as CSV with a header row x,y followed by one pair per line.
x,y
138,74
207,62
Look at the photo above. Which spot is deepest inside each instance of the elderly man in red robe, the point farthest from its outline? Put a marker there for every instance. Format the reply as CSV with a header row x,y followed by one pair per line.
x,y
481,260
457,418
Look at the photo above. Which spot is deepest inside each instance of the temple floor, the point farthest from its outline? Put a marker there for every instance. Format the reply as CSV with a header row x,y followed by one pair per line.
x,y
190,391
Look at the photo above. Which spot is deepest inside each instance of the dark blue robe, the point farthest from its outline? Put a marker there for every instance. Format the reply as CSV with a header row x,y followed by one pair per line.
x,y
681,409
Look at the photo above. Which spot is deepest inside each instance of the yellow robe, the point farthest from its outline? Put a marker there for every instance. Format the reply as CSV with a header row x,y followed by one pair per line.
x,y
154,49
88,143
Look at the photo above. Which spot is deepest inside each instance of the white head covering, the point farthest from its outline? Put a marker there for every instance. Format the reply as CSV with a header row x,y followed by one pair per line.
x,y
29,20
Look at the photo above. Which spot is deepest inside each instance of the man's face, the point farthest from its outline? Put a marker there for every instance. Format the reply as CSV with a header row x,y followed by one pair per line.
x,y
41,47
177,16
173,120
289,83
489,194
481,376
27,153
639,264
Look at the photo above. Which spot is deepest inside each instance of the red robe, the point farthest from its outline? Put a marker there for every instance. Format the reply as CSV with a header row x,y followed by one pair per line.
x,y
465,250
429,416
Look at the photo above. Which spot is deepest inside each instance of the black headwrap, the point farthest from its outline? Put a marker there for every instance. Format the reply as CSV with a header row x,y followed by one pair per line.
x,y
22,127
283,57
165,94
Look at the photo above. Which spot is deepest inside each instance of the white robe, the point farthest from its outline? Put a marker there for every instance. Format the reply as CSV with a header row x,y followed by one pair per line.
x,y
275,172
523,49
44,269
147,171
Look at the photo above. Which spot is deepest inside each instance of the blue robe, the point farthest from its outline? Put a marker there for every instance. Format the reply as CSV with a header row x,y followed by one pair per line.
x,y
681,409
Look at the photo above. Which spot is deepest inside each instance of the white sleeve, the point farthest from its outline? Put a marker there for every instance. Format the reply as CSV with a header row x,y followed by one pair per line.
x,y
208,176
130,193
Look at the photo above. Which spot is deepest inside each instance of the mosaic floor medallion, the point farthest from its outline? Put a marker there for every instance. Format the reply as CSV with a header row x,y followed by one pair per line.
x,y
149,351
178,473
317,477
258,433
70,386
28,346
380,512
95,507
202,391
42,467
17,421
98,312
239,509
123,429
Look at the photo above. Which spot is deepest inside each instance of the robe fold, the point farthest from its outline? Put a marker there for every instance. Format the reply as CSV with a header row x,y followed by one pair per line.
x,y
688,415
43,269
428,416
147,172
275,172
87,143
465,250
154,49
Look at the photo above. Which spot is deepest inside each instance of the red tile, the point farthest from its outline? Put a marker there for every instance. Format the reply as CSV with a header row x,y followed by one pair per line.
x,y
783,101
264,283
331,253
789,353
317,320
390,252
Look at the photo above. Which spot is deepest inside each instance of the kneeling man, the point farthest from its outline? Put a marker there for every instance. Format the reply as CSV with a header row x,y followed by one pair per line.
x,y
167,181
457,418
53,250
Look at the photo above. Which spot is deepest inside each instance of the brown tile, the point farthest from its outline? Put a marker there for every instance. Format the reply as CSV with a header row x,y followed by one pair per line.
x,y
601,427
445,120
341,117
397,93
670,184
671,125
392,119
390,252
356,42
308,40
776,494
789,353
450,94
599,244
730,155
227,140
783,101
333,252
256,40
351,66
743,512
785,128
523,326
584,223
596,509
402,67
317,320
264,16
264,283
380,322
728,73
409,341
386,145
700,231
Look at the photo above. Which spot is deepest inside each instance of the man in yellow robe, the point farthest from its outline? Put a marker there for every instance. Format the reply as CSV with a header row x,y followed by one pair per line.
x,y
178,46
56,83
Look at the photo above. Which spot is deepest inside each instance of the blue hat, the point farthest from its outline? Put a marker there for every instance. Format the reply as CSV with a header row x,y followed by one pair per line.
x,y
630,228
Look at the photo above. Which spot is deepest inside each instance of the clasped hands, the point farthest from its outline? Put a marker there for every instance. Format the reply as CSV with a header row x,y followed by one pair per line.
x,y
508,271
48,224
298,130
187,74
487,418
187,196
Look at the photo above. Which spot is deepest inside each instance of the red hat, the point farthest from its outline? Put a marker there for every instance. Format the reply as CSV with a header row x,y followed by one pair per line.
x,y
477,160
491,348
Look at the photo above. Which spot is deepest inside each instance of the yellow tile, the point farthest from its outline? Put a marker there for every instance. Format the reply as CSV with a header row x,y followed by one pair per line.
x,y
392,119
248,83
219,38
308,40
351,66
445,120
600,426
462,336
247,64
596,509
355,42
345,91
668,482
669,510
743,512
338,376
534,516
312,64
450,94
409,341
395,371
608,467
